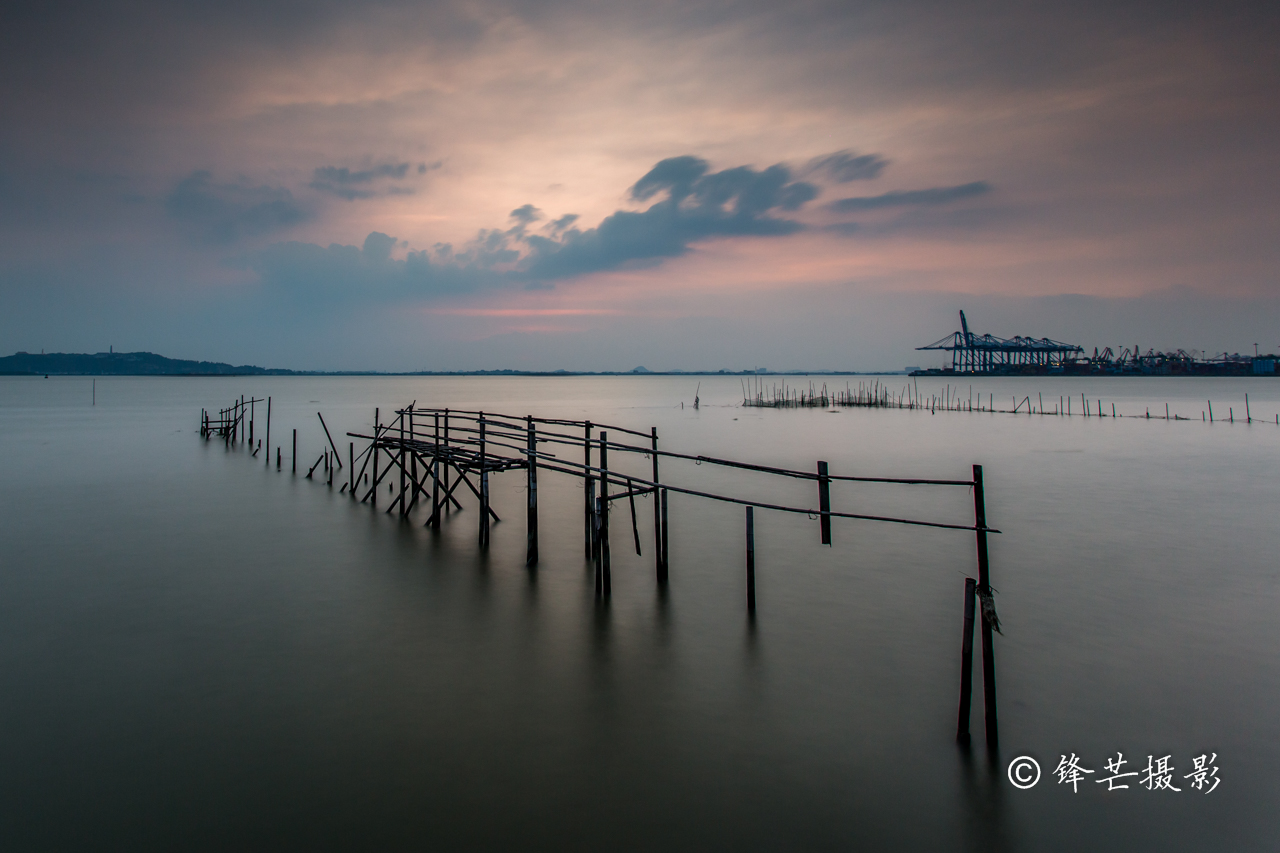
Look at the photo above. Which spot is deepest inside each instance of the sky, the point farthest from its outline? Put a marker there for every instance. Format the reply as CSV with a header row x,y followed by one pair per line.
x,y
581,185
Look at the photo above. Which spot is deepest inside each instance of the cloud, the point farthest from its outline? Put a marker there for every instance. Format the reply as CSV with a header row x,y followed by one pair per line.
x,y
690,203
344,183
526,214
845,166
225,213
911,198
698,205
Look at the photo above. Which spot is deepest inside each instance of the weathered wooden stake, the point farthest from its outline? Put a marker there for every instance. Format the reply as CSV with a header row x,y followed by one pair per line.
x,y
251,402
984,587
751,560
351,475
447,507
606,574
278,460
589,497
268,460
434,521
657,513
824,502
531,547
373,493
403,502
966,664
484,489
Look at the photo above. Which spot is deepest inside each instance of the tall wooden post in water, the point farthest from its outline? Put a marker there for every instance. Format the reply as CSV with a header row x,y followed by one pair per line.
x,y
531,549
984,590
605,580
660,556
434,521
751,560
373,493
824,502
589,496
484,489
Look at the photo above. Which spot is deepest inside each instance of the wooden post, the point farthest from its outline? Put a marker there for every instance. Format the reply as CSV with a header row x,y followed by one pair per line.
x,y
251,402
434,521
751,560
351,475
447,508
531,548
241,416
1247,414
403,501
966,664
268,431
824,502
657,512
589,495
984,587
373,493
606,574
484,489
277,456
295,451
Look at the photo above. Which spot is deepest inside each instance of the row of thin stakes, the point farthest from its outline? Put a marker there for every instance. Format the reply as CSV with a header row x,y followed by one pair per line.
x,y
432,453
877,395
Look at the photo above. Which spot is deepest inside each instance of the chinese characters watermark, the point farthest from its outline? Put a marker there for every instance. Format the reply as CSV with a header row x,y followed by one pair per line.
x,y
1158,775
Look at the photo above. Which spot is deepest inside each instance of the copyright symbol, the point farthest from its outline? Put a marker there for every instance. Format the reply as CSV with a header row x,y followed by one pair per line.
x,y
1024,772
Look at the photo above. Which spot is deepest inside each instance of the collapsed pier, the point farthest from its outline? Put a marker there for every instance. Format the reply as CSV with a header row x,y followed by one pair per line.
x,y
433,452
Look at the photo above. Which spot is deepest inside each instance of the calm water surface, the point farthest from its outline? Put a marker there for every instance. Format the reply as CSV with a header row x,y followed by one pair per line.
x,y
198,652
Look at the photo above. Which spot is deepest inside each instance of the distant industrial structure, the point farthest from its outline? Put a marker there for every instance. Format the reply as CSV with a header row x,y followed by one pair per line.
x,y
987,355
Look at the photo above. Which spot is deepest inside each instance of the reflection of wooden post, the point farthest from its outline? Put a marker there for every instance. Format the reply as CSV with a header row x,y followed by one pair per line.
x,y
589,493
824,502
966,664
657,513
751,560
666,563
984,587
531,549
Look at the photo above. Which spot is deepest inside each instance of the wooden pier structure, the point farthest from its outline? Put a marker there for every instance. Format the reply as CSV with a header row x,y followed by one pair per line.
x,y
431,454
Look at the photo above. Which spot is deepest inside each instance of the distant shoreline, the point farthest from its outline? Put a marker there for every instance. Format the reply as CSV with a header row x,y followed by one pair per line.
x,y
151,364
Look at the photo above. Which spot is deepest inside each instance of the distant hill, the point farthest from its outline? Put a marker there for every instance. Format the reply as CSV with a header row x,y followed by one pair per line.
x,y
122,364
